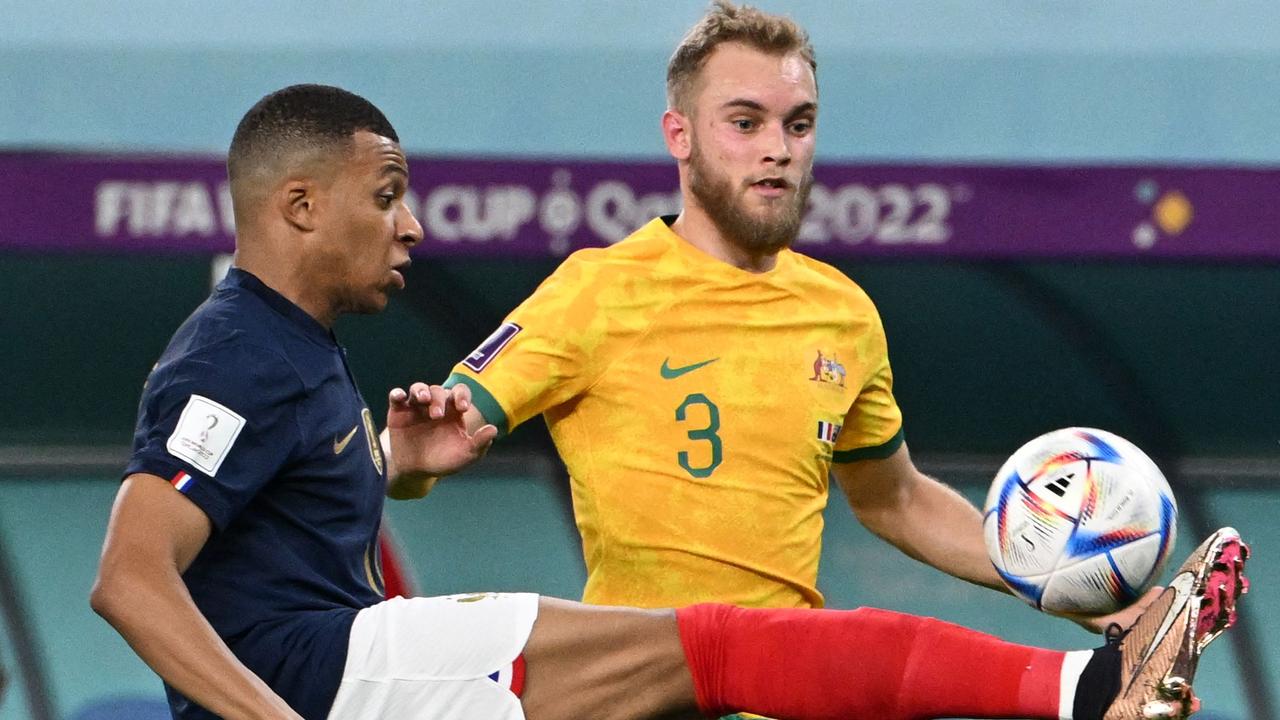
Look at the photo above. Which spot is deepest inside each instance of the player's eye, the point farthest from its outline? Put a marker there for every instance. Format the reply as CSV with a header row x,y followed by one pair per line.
x,y
744,124
802,127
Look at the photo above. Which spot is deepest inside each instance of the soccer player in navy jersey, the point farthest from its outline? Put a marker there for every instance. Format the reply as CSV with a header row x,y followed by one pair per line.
x,y
240,558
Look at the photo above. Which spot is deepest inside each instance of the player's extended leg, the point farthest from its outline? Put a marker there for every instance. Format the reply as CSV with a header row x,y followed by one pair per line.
x,y
596,662
494,656
590,661
709,660
833,664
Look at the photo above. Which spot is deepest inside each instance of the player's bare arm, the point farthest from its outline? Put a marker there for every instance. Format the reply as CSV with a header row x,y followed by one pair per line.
x,y
152,537
431,432
934,524
919,515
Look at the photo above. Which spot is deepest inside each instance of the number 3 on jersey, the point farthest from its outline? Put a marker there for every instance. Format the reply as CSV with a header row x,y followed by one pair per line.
x,y
706,434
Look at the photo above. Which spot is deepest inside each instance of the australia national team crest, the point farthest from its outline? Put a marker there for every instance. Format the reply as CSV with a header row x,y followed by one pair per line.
x,y
827,369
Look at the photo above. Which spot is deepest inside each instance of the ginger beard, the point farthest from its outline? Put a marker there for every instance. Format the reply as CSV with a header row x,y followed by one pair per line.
x,y
765,232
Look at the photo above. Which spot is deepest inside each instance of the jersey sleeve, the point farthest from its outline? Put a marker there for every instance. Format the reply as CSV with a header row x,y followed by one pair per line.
x,y
873,426
548,350
218,425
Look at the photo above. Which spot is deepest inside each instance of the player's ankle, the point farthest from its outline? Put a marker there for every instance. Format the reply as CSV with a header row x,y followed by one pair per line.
x,y
1099,683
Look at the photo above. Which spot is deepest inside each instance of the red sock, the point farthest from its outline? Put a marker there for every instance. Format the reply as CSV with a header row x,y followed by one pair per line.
x,y
865,663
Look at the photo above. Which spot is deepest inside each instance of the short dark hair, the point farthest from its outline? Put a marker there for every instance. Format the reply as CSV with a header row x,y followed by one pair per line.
x,y
723,23
300,118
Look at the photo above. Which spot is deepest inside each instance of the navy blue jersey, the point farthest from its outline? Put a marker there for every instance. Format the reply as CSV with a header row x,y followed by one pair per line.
x,y
252,413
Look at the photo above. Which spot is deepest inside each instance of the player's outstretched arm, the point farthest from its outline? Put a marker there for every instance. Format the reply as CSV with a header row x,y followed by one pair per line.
x,y
919,515
431,431
152,537
933,523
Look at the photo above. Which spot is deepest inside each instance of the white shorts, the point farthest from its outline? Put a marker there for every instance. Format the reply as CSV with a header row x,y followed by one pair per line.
x,y
438,658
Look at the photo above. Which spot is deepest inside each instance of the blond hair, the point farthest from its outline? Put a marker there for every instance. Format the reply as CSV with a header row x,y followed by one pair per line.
x,y
726,22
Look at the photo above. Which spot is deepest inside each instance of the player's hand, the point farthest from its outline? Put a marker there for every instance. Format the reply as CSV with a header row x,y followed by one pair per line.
x,y
428,432
1125,617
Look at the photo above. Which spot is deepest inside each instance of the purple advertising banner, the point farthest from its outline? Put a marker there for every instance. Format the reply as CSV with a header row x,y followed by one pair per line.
x,y
523,208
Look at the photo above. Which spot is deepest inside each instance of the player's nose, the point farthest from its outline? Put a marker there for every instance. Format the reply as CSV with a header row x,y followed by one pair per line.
x,y
408,229
776,145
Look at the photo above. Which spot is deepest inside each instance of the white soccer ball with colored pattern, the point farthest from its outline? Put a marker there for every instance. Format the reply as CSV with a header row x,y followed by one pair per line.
x,y
1079,520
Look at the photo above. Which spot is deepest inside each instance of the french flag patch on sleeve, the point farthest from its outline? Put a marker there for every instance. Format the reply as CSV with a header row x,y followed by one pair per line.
x,y
828,431
181,481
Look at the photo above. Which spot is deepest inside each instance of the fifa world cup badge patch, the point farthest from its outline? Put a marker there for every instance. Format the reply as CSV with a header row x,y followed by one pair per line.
x,y
489,349
827,369
205,433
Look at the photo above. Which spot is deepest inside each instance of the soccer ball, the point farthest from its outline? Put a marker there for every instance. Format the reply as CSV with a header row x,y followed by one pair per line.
x,y
1079,521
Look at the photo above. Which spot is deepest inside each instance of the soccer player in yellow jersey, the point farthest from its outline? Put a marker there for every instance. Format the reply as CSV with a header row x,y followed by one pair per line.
x,y
699,407
702,381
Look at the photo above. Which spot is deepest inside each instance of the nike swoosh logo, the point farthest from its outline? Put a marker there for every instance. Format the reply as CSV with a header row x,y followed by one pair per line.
x,y
340,445
1181,586
670,373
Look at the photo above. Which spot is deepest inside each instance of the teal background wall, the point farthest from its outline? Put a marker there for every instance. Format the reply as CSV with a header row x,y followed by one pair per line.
x,y
1180,358
923,79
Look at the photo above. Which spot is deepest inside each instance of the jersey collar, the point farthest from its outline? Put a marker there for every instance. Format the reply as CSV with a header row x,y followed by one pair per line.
x,y
708,263
244,280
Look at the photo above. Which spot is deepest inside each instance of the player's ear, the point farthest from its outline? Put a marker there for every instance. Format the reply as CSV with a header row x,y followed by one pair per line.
x,y
297,203
676,127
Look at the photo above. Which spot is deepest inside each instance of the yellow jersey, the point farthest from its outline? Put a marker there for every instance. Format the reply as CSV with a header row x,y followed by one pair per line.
x,y
698,408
